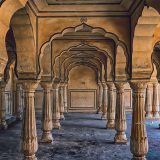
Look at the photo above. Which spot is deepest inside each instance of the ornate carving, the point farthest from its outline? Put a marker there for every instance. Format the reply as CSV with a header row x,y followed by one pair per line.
x,y
105,101
19,110
148,107
155,100
120,121
84,19
61,88
111,107
65,97
47,114
56,107
100,98
29,132
139,140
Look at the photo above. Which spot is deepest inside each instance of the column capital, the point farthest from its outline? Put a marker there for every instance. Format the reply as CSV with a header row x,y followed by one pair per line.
x,y
46,85
104,85
55,85
3,84
30,85
100,83
120,85
149,85
138,85
62,84
155,83
110,85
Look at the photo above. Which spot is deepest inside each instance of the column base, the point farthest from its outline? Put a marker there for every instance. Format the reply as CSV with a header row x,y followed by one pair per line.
x,y
46,137
104,117
99,112
120,138
3,125
149,115
156,115
110,124
56,124
19,118
139,158
62,116
33,157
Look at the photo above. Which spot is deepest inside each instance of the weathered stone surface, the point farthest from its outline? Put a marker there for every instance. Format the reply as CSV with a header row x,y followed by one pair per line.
x,y
83,136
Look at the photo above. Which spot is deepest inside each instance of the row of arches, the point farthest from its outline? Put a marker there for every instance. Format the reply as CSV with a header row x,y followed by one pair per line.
x,y
85,47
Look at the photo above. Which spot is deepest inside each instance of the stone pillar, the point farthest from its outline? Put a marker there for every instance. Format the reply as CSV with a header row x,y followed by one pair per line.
x,y
47,114
111,106
18,107
139,140
105,101
65,98
56,107
29,132
148,107
155,100
120,120
3,124
61,89
100,98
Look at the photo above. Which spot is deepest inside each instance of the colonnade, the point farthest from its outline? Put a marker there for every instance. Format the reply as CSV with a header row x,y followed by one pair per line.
x,y
115,114
152,100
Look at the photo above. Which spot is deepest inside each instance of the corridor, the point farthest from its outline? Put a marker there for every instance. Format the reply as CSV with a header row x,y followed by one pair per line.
x,y
83,136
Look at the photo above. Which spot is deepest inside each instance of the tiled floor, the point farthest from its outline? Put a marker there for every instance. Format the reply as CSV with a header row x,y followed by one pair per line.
x,y
82,137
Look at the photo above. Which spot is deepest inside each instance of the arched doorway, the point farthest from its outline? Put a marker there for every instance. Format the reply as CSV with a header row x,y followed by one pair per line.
x,y
82,89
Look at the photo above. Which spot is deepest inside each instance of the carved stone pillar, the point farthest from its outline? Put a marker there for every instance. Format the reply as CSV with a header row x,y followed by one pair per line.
x,y
47,114
148,107
56,107
65,97
3,123
105,101
120,120
61,89
100,98
19,109
111,106
155,100
29,132
139,140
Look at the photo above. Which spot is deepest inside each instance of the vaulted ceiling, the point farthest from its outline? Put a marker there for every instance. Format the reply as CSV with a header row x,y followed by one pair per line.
x,y
88,7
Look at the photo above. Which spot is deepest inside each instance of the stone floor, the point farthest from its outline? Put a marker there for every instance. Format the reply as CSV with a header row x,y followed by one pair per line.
x,y
82,137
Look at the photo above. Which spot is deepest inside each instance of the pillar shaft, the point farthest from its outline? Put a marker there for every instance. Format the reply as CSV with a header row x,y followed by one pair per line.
x,y
61,88
155,100
18,106
139,140
56,107
47,114
105,101
148,107
65,98
120,120
3,123
100,98
111,107
29,132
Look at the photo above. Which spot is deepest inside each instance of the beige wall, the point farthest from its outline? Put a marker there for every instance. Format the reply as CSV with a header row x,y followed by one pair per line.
x,y
82,89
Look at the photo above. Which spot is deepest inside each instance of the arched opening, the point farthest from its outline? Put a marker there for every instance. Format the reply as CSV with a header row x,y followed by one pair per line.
x,y
82,89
